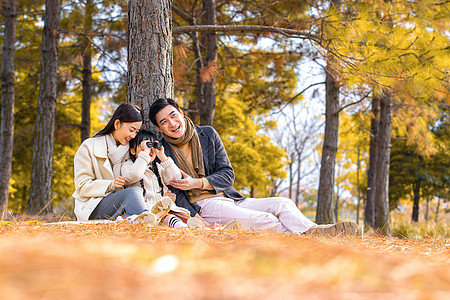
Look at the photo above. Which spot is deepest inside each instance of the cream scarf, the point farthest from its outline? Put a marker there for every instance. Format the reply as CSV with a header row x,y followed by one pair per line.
x,y
116,154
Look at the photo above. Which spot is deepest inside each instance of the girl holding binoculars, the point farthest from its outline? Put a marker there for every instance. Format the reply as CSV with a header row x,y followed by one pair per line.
x,y
99,192
149,167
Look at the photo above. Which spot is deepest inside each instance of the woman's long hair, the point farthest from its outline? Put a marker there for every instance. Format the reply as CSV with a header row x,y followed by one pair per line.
x,y
125,113
143,135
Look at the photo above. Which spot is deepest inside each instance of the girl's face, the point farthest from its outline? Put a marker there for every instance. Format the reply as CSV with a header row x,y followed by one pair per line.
x,y
124,131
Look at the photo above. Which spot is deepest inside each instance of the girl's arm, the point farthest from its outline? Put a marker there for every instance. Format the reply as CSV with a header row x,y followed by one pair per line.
x,y
134,171
168,171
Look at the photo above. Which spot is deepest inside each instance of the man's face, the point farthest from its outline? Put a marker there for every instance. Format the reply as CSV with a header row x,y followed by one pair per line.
x,y
171,122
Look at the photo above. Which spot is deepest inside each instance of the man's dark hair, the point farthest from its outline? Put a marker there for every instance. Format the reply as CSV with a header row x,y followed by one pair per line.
x,y
158,105
125,113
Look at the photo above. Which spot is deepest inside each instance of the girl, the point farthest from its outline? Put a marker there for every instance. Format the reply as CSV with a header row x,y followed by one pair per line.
x,y
99,192
142,168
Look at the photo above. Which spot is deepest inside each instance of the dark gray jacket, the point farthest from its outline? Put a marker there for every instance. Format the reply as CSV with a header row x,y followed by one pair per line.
x,y
218,168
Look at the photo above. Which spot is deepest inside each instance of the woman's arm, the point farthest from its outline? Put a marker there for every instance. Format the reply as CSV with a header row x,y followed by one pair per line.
x,y
86,183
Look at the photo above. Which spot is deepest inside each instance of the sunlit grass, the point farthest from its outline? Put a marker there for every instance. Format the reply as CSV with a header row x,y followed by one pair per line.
x,y
402,227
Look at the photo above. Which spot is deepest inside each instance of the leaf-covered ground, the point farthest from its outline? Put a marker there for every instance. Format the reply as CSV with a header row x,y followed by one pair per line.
x,y
133,261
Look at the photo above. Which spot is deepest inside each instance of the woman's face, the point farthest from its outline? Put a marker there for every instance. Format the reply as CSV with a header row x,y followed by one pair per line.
x,y
125,131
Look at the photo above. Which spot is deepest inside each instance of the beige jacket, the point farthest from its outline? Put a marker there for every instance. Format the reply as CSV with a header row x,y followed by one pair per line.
x,y
92,176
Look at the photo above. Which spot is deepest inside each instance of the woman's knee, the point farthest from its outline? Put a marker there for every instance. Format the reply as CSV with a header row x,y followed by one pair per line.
x,y
134,193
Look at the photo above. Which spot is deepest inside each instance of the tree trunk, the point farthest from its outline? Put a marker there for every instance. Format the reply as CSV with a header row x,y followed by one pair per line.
x,y
436,218
87,74
298,193
427,212
326,181
150,63
41,174
358,169
336,208
7,105
381,204
209,104
415,210
373,158
291,179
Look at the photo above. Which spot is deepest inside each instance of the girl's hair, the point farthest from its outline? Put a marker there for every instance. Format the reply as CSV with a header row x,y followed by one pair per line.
x,y
134,143
125,113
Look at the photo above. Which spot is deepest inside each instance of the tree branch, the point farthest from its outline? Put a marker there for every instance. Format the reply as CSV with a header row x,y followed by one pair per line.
x,y
247,28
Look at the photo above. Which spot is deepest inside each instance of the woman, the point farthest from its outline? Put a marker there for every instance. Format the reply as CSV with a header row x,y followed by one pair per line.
x,y
99,192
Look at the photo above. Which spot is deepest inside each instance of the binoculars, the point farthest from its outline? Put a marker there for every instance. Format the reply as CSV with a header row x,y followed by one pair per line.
x,y
154,144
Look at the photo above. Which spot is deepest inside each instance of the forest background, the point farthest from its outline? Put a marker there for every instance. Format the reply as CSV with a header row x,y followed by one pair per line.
x,y
375,60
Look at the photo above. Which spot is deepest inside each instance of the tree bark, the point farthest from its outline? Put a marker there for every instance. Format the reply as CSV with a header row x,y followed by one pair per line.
x,y
87,83
358,169
209,101
381,204
373,157
7,105
150,63
326,181
41,175
298,184
416,191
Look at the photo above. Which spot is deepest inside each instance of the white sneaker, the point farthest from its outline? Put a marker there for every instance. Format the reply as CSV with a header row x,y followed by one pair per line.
x,y
232,225
332,230
162,208
146,217
196,223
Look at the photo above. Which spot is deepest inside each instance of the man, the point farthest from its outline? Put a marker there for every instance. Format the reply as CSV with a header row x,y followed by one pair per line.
x,y
207,184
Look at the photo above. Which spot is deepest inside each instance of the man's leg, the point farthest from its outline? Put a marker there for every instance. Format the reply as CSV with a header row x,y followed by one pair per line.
x,y
123,203
222,210
284,209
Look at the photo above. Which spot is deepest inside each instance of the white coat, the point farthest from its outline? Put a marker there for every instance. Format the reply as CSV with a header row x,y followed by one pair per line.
x,y
93,175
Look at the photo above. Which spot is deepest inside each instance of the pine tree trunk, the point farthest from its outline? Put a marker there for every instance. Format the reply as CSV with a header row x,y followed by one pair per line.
x,y
297,194
209,105
87,74
326,181
358,169
7,105
415,210
372,169
291,179
381,204
41,175
150,64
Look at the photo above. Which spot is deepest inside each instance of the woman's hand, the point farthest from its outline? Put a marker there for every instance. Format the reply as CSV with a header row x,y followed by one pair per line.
x,y
187,183
120,181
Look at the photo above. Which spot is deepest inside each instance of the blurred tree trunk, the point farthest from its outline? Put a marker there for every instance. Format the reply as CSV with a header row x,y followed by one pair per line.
x,y
372,169
416,190
208,106
41,175
381,204
324,212
7,105
358,169
87,74
150,65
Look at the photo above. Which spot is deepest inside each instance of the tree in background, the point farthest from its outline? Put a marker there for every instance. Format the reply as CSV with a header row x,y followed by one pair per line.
x,y
7,105
41,176
150,69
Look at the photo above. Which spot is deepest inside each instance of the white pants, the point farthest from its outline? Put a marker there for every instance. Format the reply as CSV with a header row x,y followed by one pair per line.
x,y
277,214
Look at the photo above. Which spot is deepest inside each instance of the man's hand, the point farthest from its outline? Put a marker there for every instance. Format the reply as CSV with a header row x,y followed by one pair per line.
x,y
120,181
187,183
